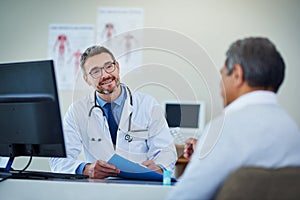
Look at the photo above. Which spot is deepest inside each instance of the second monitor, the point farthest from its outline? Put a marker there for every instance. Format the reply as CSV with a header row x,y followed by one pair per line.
x,y
188,117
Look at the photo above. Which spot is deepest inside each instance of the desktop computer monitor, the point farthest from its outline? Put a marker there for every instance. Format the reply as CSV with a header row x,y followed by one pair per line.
x,y
186,117
30,117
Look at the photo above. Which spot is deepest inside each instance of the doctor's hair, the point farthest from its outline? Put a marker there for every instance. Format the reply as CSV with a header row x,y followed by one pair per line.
x,y
92,51
261,63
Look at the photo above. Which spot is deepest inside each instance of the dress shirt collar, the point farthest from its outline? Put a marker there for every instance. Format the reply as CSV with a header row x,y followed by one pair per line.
x,y
118,101
251,98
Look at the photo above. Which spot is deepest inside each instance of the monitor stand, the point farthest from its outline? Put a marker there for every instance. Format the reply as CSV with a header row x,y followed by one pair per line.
x,y
8,172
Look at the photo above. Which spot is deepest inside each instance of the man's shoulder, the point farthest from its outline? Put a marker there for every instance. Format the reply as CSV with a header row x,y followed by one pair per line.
x,y
258,117
143,97
82,101
81,105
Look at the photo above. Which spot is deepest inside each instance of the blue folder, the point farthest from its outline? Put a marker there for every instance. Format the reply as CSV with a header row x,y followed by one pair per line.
x,y
132,170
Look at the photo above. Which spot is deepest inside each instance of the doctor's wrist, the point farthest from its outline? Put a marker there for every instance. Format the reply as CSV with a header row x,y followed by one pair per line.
x,y
80,168
86,170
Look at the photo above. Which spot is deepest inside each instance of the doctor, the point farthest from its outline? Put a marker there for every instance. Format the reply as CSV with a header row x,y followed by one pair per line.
x,y
113,120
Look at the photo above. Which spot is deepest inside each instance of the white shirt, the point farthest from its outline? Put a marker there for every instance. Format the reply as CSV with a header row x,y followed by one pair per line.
x,y
252,131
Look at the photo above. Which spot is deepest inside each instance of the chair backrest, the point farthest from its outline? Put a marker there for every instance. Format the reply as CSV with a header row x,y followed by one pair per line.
x,y
261,183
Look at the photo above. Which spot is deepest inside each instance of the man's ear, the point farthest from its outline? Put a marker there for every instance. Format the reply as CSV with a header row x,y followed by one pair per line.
x,y
238,74
117,66
86,79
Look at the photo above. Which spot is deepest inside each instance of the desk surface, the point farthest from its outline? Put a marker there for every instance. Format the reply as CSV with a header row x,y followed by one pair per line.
x,y
15,189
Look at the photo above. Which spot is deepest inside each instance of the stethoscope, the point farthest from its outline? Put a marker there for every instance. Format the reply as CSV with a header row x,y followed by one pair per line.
x,y
128,137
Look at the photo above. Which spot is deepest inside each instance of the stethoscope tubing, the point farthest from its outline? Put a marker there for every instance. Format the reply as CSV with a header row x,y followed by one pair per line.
x,y
103,113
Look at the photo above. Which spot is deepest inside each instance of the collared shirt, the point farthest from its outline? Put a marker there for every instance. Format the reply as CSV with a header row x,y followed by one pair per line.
x,y
252,131
117,105
252,98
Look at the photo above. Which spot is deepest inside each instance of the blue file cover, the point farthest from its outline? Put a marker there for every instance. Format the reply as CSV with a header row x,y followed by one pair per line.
x,y
132,170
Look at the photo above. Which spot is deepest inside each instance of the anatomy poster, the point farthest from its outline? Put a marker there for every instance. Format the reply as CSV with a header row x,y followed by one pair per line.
x,y
65,46
116,30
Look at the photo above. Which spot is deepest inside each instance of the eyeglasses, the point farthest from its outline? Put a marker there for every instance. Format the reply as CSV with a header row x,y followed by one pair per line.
x,y
97,71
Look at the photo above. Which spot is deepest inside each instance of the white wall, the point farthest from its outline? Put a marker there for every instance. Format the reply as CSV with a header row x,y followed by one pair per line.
x,y
211,25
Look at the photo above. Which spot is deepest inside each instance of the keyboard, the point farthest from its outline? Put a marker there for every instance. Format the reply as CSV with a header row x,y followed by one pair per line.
x,y
4,174
45,175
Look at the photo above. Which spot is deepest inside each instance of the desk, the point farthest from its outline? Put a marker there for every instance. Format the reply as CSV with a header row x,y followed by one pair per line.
x,y
180,166
181,162
16,189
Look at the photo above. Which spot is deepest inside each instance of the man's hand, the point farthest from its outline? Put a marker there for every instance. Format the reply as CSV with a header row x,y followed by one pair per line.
x,y
151,165
100,169
189,147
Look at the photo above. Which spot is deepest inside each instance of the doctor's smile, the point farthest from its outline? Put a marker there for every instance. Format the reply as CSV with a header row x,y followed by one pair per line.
x,y
107,86
107,82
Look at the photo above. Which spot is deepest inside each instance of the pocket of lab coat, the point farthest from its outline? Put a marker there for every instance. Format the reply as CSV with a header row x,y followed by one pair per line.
x,y
97,140
138,143
136,148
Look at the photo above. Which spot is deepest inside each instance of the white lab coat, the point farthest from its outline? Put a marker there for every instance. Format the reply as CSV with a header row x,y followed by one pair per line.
x,y
150,134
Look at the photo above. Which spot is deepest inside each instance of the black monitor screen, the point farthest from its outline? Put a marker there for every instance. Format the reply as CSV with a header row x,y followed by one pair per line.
x,y
182,115
30,118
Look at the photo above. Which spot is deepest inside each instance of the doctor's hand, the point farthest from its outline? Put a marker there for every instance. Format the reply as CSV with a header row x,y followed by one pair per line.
x,y
100,169
189,147
151,165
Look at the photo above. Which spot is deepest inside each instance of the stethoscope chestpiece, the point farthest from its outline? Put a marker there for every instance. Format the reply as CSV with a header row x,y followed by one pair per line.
x,y
128,138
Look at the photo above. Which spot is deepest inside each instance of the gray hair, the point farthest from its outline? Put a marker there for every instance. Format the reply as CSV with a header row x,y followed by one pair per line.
x,y
92,51
262,64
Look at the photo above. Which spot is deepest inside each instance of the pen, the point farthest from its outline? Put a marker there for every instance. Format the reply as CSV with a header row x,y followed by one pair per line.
x,y
155,155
